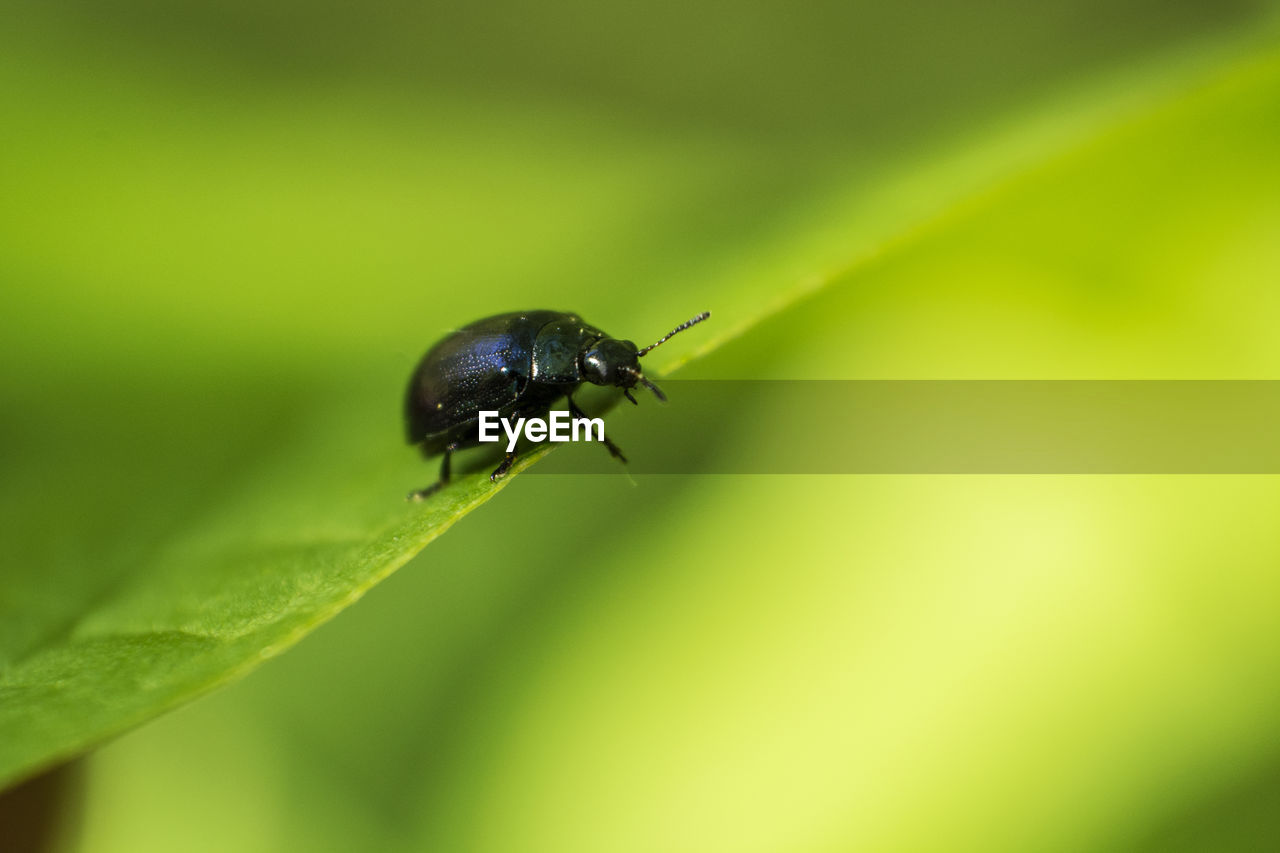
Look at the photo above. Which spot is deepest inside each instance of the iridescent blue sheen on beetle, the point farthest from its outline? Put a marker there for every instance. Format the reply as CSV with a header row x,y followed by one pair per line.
x,y
517,364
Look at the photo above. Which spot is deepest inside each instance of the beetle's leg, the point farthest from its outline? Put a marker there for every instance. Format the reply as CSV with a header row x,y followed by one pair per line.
x,y
445,472
422,494
501,470
446,467
613,448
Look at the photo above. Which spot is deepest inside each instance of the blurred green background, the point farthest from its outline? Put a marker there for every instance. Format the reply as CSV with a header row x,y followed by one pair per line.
x,y
229,229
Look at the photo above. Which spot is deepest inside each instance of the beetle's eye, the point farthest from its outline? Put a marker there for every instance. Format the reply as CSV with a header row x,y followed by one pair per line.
x,y
594,367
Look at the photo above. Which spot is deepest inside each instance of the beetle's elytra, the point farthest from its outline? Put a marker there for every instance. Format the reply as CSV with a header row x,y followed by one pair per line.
x,y
518,364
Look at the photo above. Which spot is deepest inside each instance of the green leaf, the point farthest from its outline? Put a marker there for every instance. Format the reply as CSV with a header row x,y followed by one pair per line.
x,y
817,663
199,472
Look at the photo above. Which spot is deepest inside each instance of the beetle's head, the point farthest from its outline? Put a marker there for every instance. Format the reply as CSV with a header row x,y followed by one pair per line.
x,y
614,362
611,362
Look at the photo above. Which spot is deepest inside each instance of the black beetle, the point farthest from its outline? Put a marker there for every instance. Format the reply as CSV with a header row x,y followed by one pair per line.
x,y
517,364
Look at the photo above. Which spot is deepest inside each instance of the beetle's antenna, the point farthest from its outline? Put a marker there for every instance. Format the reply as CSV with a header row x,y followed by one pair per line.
x,y
695,321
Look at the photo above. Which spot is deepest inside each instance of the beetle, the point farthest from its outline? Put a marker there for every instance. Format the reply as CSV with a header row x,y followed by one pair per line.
x,y
518,364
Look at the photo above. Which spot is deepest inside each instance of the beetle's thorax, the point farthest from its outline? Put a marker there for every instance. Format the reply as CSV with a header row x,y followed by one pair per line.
x,y
558,349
